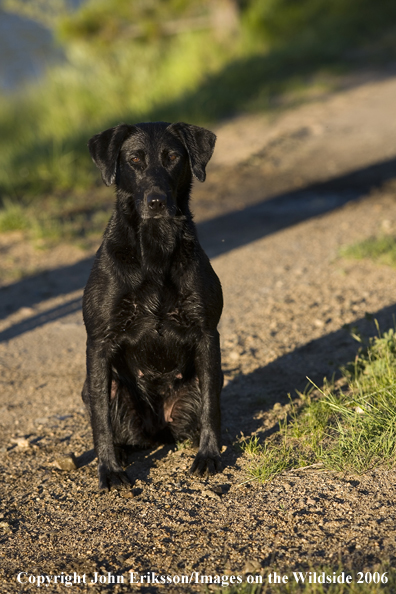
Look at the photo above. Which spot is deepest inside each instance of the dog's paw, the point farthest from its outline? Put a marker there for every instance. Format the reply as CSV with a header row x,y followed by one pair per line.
x,y
206,463
112,477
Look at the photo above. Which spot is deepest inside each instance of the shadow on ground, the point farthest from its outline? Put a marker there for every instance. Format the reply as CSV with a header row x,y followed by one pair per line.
x,y
246,397
218,236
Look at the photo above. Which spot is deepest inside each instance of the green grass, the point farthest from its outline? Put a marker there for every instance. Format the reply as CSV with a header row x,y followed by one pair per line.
x,y
78,218
349,429
279,50
13,216
45,131
270,459
379,249
184,445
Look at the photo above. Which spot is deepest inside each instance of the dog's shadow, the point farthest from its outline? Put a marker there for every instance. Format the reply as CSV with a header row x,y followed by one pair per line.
x,y
139,462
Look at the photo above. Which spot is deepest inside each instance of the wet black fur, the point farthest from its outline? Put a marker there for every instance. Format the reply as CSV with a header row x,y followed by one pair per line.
x,y
152,302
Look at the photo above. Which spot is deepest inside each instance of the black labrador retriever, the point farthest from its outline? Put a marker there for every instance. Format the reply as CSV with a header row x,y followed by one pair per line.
x,y
152,302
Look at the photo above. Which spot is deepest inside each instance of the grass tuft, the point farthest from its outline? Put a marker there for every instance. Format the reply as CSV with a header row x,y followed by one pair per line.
x,y
13,217
380,249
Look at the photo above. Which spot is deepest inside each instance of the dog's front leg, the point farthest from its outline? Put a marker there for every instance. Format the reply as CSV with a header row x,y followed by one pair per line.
x,y
99,387
208,368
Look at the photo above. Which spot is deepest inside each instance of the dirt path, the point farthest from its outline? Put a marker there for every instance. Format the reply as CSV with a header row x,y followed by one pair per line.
x,y
283,194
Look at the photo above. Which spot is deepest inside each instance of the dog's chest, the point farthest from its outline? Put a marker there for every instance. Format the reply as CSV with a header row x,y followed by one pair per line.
x,y
157,314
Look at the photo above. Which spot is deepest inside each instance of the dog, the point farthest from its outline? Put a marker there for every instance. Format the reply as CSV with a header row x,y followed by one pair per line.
x,y
152,302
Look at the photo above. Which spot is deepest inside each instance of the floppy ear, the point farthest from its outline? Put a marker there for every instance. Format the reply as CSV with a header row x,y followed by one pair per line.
x,y
104,149
199,144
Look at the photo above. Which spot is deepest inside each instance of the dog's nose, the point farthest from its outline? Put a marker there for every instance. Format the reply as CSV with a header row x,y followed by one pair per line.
x,y
156,201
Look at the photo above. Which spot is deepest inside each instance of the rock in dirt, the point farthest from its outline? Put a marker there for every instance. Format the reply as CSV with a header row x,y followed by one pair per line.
x,y
21,442
210,493
66,462
127,494
5,527
252,566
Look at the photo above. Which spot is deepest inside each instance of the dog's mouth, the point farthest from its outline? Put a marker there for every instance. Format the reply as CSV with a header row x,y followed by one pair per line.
x,y
150,217
164,213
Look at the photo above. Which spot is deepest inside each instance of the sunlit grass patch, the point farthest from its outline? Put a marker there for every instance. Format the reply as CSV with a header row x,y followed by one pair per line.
x,y
350,428
279,50
380,249
45,130
277,459
76,218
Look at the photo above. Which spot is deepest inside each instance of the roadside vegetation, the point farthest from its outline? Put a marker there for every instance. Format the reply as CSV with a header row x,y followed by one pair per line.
x,y
349,427
380,249
77,217
189,60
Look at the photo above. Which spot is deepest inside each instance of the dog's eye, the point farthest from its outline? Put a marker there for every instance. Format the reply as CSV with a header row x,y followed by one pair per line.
x,y
172,157
135,159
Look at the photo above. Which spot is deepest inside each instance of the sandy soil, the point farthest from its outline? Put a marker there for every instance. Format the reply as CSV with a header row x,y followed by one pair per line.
x,y
284,193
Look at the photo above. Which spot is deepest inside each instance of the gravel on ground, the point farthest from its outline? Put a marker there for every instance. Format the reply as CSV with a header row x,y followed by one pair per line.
x,y
312,179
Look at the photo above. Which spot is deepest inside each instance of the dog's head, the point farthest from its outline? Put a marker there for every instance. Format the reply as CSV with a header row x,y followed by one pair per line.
x,y
153,163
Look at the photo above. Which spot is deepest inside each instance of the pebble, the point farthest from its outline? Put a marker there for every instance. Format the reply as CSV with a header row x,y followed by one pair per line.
x,y
210,493
66,463
5,526
41,420
127,494
21,442
252,566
